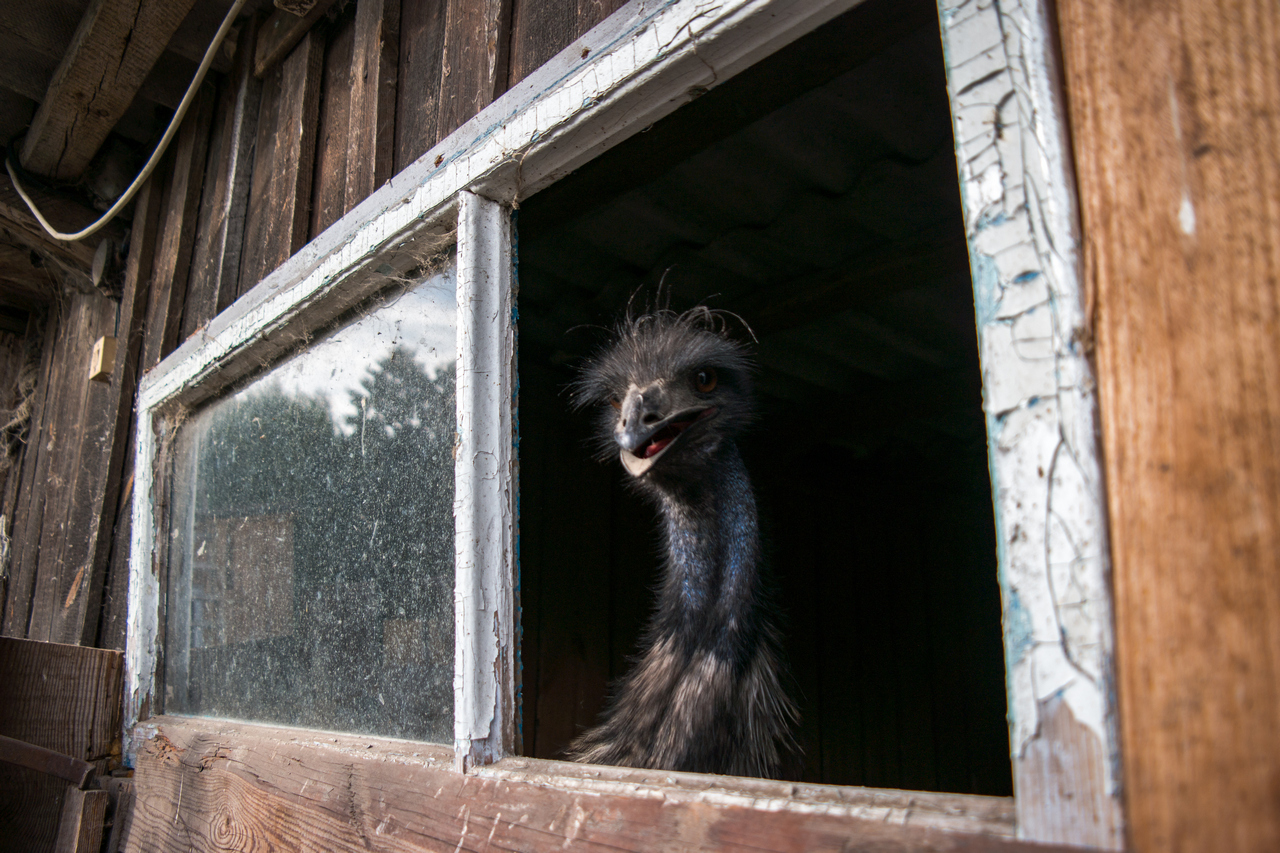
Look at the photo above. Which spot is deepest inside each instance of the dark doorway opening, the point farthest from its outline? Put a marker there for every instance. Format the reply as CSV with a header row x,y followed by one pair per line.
x,y
815,195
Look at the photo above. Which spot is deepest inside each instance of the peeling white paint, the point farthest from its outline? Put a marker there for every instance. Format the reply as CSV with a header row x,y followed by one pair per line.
x,y
1038,388
484,478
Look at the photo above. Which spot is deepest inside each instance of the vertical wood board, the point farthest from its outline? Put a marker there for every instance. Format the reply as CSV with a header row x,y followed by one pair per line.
x,y
1039,399
477,39
1175,112
29,510
172,265
280,197
215,266
418,81
333,119
542,28
74,440
374,65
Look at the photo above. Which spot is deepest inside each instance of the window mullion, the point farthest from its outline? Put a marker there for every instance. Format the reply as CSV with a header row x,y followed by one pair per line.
x,y
484,503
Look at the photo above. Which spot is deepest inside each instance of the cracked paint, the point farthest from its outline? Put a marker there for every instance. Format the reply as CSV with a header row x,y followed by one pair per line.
x,y
1037,384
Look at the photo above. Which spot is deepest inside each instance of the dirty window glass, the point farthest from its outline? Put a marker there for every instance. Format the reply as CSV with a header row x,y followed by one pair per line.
x,y
312,550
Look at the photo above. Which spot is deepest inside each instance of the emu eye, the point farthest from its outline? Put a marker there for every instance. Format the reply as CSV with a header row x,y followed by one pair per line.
x,y
705,380
616,403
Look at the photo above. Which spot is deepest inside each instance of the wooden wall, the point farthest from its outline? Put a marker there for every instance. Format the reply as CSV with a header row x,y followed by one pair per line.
x,y
1182,256
1175,111
263,163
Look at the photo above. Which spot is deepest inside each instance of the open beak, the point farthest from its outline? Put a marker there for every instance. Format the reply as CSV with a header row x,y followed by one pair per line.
x,y
644,436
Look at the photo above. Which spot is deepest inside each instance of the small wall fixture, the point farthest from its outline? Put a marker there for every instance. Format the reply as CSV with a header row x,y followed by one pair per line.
x,y
103,359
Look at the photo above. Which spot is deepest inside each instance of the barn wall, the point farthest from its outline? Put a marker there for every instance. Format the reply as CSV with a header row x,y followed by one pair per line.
x,y
262,164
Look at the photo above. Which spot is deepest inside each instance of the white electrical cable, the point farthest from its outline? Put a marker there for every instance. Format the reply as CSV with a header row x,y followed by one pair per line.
x,y
155,156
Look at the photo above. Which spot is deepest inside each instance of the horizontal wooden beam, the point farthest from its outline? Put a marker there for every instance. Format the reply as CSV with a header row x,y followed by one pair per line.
x,y
280,32
115,46
200,782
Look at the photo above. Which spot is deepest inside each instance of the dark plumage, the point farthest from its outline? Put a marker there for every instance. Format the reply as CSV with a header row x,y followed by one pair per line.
x,y
705,693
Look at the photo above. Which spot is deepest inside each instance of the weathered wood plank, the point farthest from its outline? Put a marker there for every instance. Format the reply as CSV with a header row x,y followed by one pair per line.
x,y
540,29
477,40
64,582
337,98
114,47
29,511
64,698
215,264
375,62
80,829
87,318
418,81
106,414
1174,117
280,33
172,265
62,212
319,791
280,198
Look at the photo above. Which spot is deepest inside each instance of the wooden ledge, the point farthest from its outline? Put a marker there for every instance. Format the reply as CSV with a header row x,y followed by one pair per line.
x,y
203,784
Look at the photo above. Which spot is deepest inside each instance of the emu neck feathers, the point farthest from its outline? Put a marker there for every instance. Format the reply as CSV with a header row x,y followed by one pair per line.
x,y
713,554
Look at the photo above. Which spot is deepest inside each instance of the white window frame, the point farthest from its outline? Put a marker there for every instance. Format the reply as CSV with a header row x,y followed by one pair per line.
x,y
637,67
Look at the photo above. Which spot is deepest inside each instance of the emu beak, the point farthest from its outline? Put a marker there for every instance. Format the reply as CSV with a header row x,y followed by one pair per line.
x,y
645,429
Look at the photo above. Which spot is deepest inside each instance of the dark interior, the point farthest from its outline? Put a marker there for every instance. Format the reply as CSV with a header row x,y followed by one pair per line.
x,y
814,195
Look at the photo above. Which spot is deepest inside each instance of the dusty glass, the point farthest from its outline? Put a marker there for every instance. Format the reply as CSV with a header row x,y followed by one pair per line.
x,y
311,533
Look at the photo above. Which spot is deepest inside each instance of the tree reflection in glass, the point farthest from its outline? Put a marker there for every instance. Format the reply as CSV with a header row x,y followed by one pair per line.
x,y
312,553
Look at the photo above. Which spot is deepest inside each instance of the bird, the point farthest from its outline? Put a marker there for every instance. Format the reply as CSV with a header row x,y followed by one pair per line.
x,y
705,694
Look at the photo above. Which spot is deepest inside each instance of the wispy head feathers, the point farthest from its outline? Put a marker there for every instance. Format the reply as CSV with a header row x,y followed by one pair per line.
x,y
663,344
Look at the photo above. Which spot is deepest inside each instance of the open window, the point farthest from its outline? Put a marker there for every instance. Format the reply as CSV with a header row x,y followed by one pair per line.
x,y
815,196
793,161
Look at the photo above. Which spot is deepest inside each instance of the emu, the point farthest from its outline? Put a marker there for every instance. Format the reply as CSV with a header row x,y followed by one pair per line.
x,y
673,392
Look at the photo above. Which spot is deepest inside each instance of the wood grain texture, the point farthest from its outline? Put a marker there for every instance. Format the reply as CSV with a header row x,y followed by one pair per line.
x,y
115,46
280,195
62,698
418,81
477,41
202,785
172,266
332,171
80,829
375,63
281,32
62,212
542,28
73,432
215,265
1175,112
29,509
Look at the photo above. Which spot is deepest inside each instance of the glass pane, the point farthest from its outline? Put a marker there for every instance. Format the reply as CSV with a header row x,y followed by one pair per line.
x,y
311,552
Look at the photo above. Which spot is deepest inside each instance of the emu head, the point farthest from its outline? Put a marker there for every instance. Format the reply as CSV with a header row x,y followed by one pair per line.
x,y
671,389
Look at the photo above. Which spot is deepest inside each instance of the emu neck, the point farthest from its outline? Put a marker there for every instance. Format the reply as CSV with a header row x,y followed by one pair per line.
x,y
713,555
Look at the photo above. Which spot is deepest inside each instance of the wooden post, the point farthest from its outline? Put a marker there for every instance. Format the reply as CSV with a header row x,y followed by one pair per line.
x,y
1175,113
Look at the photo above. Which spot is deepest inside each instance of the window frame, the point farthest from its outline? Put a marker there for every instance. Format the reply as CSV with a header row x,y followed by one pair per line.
x,y
641,64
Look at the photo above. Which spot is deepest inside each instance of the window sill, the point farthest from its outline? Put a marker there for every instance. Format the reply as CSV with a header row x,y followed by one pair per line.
x,y
208,783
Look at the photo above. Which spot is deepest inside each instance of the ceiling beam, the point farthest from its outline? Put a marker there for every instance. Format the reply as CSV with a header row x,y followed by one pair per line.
x,y
115,46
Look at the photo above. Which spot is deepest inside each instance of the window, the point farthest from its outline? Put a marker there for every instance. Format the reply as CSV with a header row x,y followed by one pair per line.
x,y
311,528
635,70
